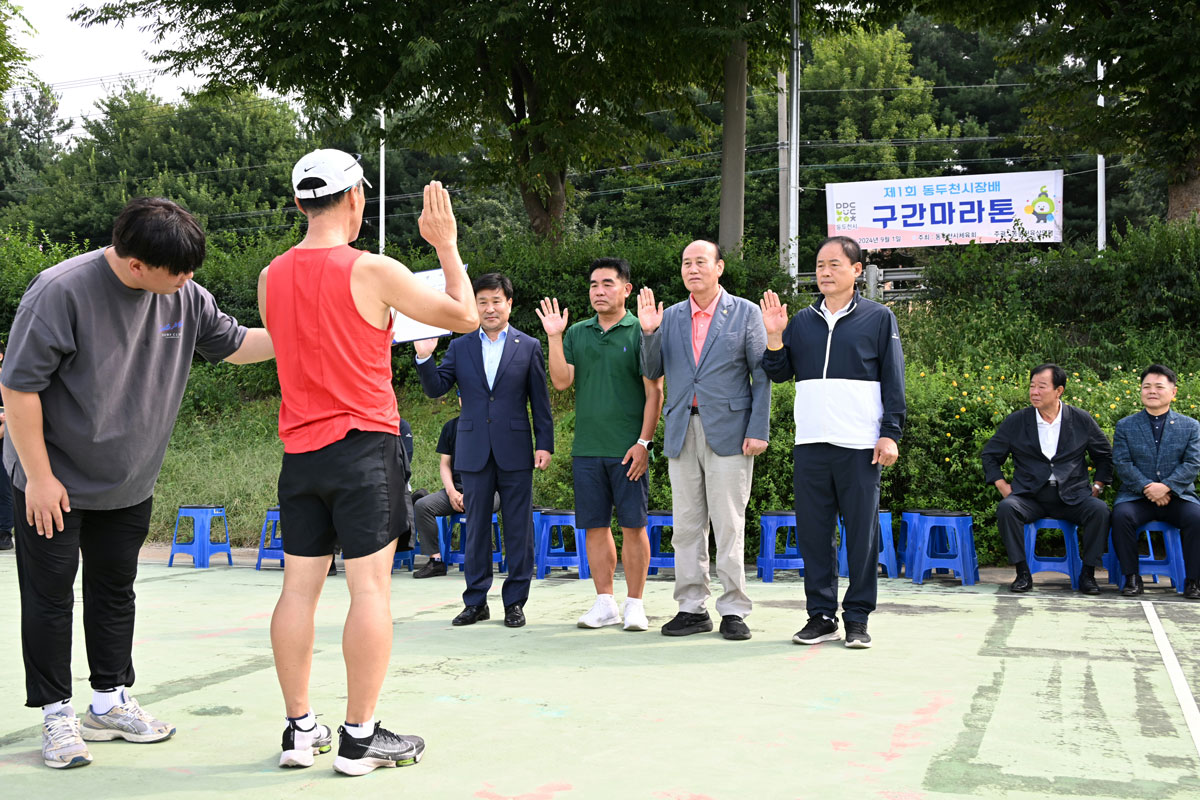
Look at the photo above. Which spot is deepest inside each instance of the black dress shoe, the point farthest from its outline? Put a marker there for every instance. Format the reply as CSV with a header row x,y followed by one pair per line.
x,y
6,540
1087,581
472,614
1023,583
1133,586
514,617
433,568
1191,589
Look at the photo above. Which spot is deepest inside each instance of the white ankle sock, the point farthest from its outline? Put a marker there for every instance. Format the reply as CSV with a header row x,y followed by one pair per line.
x,y
362,730
104,701
305,723
636,602
607,599
56,708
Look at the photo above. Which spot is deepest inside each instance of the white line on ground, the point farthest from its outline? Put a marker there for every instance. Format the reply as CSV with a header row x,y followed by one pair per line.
x,y
1183,694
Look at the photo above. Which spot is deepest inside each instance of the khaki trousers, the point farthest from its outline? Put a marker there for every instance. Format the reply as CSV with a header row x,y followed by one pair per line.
x,y
708,488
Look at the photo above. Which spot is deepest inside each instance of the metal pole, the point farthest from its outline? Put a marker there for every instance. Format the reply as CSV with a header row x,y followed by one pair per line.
x,y
782,117
1101,211
382,193
793,151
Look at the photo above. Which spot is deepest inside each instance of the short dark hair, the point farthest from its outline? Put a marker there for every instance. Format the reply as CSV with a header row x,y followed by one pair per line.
x,y
617,265
493,280
160,234
850,248
1058,376
1159,369
314,206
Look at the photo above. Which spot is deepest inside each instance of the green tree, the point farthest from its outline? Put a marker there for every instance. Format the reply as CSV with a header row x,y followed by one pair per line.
x,y
545,87
13,57
216,156
29,144
1151,82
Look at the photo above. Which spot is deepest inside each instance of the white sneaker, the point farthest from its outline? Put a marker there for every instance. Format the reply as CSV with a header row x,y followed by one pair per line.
x,y
635,617
301,746
604,612
62,746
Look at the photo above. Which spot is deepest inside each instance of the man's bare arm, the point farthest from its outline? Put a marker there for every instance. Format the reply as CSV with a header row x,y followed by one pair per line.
x,y
45,497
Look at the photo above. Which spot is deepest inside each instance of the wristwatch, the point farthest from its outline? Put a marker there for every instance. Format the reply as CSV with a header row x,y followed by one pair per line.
x,y
645,443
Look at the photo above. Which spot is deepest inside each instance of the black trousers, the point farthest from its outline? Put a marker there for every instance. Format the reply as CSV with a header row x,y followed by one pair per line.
x,y
1127,517
428,509
1090,515
46,568
516,504
829,480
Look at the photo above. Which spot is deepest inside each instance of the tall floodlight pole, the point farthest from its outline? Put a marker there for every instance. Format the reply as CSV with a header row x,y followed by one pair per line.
x,y
793,151
1101,212
382,193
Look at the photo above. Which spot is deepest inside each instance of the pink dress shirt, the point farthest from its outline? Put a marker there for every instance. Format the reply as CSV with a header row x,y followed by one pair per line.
x,y
701,319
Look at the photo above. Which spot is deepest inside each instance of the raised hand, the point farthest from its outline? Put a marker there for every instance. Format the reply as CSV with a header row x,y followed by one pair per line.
x,y
649,315
553,322
436,222
775,317
425,347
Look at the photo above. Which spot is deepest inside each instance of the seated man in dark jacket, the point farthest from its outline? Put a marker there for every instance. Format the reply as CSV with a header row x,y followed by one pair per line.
x,y
1048,441
1157,456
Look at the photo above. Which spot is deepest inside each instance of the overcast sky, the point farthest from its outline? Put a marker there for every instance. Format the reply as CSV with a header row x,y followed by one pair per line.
x,y
85,64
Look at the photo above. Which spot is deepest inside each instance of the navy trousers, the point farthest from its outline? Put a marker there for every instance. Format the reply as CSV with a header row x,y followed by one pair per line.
x,y
516,506
829,480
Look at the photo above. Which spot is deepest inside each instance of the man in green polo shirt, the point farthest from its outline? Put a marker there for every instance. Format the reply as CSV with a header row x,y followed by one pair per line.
x,y
616,411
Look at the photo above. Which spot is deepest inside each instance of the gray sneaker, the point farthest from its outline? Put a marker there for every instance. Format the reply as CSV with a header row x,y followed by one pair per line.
x,y
62,747
127,721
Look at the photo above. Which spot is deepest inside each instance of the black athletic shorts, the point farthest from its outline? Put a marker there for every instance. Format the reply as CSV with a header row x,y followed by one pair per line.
x,y
351,492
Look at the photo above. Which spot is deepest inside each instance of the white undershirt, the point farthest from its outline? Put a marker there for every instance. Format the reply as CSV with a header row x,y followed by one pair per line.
x,y
1048,434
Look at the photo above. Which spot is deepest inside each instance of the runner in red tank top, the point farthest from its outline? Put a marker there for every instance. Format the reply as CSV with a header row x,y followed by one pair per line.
x,y
328,309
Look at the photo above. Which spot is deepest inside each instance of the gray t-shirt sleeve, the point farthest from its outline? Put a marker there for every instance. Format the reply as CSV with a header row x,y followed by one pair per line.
x,y
219,335
36,348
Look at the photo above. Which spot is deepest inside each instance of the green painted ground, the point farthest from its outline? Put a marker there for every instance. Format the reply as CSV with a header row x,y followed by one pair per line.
x,y
967,693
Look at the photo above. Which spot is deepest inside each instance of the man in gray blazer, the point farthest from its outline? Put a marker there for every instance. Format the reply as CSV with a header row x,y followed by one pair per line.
x,y
717,412
1156,454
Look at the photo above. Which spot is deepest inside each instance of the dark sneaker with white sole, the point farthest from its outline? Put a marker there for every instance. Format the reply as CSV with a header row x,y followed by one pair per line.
x,y
300,747
381,749
857,636
820,628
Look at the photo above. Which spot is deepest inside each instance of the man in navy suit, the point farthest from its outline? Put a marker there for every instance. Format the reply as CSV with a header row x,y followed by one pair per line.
x,y
1048,441
1156,453
500,373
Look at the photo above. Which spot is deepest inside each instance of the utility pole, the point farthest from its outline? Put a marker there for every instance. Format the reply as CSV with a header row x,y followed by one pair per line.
x,y
1101,211
781,103
793,151
382,193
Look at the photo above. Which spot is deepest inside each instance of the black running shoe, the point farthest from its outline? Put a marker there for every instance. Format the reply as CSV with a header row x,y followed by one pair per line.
x,y
381,749
300,746
819,629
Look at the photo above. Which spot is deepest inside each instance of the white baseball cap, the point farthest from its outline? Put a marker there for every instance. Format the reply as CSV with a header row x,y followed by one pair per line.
x,y
339,170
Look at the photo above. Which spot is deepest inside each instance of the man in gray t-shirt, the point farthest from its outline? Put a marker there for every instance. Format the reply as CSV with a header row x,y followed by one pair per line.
x,y
97,362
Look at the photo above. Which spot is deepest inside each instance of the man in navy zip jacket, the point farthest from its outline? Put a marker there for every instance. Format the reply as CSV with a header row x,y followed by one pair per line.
x,y
844,354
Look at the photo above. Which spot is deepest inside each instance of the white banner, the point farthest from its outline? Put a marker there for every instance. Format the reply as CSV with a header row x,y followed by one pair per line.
x,y
931,212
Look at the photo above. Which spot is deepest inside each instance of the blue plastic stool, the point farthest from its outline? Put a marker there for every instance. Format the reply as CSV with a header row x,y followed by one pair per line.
x,y
453,555
656,522
550,550
200,548
940,539
770,559
403,558
270,541
1070,564
939,542
887,546
1167,565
